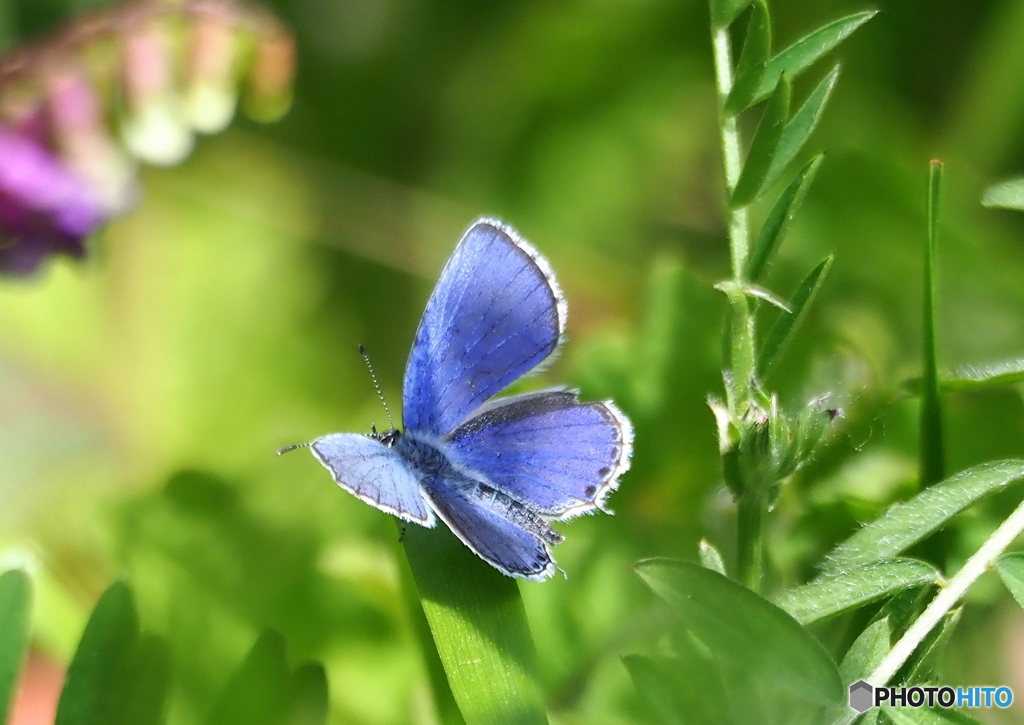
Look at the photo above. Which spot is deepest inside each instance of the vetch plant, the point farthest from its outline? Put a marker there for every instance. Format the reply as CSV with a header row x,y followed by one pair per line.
x,y
132,83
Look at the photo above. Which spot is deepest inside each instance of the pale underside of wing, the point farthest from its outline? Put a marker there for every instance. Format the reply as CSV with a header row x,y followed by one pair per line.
x,y
375,474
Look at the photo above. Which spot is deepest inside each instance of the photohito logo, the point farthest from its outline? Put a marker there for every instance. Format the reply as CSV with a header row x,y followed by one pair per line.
x,y
864,696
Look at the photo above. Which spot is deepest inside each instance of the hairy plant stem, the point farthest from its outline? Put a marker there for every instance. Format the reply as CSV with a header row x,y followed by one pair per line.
x,y
944,601
750,503
751,509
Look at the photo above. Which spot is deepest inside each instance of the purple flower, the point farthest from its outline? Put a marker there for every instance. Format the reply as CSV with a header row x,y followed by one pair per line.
x,y
44,207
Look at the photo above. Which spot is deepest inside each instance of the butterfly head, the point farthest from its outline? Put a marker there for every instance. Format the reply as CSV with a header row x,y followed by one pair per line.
x,y
388,438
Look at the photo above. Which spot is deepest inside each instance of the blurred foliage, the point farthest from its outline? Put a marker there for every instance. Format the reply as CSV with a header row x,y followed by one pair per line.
x,y
144,392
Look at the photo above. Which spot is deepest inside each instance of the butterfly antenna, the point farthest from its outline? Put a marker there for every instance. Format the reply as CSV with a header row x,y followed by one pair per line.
x,y
293,447
376,385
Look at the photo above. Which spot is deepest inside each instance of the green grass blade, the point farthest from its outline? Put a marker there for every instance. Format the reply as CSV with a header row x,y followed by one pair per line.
x,y
975,378
828,596
932,454
1011,570
1006,195
801,126
788,323
444,700
724,12
903,525
778,221
257,692
757,45
15,619
804,52
745,632
92,689
476,616
308,698
763,146
145,692
866,652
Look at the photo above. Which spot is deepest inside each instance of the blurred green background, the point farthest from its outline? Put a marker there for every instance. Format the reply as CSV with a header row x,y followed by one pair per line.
x,y
143,393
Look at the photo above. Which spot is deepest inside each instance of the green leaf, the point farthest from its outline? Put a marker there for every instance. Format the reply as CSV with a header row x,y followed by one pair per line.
x,y
15,611
92,689
932,463
144,697
762,147
778,221
848,590
926,716
753,60
1007,195
866,652
1011,570
680,690
476,615
804,52
788,323
903,525
744,631
801,126
922,667
724,12
257,692
981,377
308,699
710,557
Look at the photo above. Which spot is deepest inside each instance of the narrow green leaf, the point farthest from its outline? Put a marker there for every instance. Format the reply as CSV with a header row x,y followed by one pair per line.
x,y
711,557
981,377
778,221
744,631
757,45
680,690
801,126
476,616
145,690
91,694
724,12
866,652
827,596
308,699
257,692
1007,195
762,146
15,611
903,525
927,716
788,323
1011,571
932,448
804,52
923,666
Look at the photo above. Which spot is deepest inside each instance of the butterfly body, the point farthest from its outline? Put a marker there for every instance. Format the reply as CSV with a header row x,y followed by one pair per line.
x,y
496,470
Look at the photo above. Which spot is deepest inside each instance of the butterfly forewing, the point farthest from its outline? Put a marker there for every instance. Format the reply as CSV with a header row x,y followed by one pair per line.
x,y
495,314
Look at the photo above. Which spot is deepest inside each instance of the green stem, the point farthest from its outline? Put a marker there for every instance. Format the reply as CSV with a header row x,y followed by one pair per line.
x,y
751,504
739,234
932,464
750,540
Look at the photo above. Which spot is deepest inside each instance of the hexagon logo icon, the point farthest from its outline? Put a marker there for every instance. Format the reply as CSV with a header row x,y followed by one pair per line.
x,y
861,696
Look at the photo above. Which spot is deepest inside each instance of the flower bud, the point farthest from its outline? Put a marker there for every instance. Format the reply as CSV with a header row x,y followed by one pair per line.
x,y
211,94
270,79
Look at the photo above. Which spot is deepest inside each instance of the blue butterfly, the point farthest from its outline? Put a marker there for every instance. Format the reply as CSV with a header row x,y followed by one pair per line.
x,y
497,471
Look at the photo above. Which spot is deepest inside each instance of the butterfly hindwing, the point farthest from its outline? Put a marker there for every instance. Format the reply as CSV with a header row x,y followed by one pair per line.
x,y
561,456
375,473
505,545
495,314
